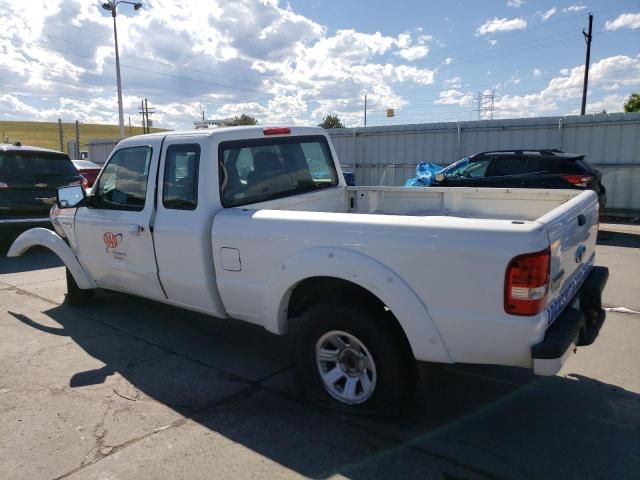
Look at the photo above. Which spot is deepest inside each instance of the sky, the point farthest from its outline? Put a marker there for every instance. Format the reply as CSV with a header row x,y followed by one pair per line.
x,y
295,62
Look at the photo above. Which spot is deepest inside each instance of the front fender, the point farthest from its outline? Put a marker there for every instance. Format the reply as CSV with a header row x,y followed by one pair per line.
x,y
368,273
51,240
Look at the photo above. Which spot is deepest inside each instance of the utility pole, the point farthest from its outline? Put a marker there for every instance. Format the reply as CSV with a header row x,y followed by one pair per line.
x,y
77,152
587,38
146,114
145,111
144,124
111,5
365,110
61,135
129,125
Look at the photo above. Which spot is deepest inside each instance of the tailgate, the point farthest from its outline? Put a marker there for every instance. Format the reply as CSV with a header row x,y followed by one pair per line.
x,y
572,230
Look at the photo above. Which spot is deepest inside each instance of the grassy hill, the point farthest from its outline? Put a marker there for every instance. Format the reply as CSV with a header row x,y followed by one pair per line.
x,y
45,134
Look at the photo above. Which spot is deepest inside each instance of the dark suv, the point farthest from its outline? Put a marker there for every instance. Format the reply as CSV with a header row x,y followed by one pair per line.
x,y
524,169
29,176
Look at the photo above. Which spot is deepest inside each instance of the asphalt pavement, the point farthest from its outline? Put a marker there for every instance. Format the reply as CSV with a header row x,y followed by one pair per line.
x,y
128,388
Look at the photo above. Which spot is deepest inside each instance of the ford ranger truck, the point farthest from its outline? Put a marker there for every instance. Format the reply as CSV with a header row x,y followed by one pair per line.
x,y
257,224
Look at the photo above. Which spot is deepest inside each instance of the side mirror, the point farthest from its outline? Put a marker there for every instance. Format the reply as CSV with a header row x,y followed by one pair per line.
x,y
440,177
70,197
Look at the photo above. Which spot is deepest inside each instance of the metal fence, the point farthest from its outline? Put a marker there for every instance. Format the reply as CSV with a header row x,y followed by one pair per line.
x,y
388,155
100,149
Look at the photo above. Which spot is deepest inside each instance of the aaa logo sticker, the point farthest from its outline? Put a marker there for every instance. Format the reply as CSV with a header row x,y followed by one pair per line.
x,y
111,240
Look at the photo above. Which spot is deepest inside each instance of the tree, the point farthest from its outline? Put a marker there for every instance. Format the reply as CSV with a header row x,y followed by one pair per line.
x,y
633,103
331,121
245,120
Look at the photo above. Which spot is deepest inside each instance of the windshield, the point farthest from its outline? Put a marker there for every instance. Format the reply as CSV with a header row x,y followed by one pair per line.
x,y
466,168
254,171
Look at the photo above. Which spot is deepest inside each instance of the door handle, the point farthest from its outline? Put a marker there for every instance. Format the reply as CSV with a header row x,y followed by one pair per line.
x,y
136,229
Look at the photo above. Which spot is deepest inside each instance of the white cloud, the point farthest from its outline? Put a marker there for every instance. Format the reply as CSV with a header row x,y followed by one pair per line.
x,y
448,61
567,89
454,97
610,104
515,3
455,82
548,14
574,8
626,20
537,72
501,25
413,53
235,57
493,42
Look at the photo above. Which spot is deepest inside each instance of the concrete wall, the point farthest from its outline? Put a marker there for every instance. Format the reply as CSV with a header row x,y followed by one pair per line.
x,y
388,155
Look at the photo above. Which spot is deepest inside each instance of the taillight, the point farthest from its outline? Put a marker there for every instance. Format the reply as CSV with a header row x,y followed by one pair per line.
x,y
527,283
3,185
83,181
578,180
277,131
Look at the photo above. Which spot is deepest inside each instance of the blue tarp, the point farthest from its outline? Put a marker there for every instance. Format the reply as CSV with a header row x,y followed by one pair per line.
x,y
425,174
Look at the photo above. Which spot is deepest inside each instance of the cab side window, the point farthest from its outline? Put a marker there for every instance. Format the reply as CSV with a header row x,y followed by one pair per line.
x,y
180,181
123,183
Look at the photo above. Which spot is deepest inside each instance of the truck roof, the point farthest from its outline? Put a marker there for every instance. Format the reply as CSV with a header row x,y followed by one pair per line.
x,y
210,132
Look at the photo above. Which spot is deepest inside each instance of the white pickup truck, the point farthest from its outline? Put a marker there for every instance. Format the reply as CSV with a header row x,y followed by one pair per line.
x,y
257,224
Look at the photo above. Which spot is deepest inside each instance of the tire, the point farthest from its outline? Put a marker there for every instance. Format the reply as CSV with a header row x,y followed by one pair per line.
x,y
337,345
75,295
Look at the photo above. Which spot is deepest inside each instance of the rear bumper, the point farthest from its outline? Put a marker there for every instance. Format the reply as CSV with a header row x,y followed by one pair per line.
x,y
578,325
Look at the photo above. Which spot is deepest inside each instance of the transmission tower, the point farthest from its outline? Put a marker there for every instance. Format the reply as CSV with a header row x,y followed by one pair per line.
x,y
485,103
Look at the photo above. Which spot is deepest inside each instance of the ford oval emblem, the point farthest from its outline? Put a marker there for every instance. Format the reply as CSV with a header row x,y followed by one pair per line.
x,y
580,253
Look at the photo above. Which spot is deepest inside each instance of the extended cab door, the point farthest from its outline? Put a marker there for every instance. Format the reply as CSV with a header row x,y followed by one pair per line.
x,y
187,201
114,236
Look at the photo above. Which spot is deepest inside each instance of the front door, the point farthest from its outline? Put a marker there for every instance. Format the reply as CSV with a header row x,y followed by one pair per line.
x,y
114,234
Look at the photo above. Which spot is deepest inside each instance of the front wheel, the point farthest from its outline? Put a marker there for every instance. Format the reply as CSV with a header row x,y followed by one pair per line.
x,y
353,357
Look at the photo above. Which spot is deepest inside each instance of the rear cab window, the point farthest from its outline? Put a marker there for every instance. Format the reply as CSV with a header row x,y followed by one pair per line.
x,y
180,180
256,170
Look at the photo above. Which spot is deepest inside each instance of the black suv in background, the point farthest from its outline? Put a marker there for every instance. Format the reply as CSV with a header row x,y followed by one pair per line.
x,y
28,176
524,169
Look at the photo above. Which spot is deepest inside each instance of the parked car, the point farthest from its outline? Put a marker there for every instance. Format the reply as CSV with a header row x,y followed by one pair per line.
x,y
257,224
88,170
524,169
29,178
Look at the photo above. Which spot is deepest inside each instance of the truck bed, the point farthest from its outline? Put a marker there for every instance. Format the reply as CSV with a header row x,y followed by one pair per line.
x,y
487,203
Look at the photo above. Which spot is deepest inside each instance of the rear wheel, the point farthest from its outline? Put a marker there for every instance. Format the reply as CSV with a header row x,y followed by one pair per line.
x,y
75,295
354,358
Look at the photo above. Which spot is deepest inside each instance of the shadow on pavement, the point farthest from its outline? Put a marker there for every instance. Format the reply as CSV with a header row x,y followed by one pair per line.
x,y
492,422
618,239
34,259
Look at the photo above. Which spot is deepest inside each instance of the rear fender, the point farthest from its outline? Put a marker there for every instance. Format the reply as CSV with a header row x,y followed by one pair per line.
x,y
51,240
413,316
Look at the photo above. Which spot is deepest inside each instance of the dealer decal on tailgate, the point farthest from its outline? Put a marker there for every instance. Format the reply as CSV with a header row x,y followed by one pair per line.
x,y
572,285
